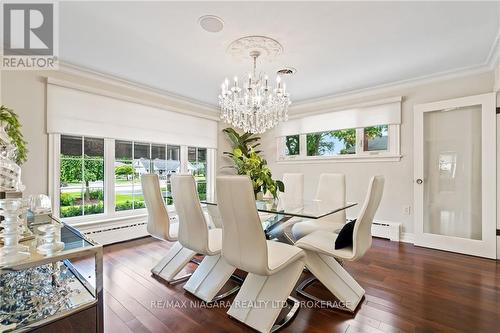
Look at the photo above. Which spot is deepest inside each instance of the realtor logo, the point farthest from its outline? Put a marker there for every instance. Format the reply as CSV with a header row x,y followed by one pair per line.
x,y
29,36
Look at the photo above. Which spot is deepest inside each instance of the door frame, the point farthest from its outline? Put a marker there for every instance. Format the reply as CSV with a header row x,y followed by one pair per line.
x,y
486,247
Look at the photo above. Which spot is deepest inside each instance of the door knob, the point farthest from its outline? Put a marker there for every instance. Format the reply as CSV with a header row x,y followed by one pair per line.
x,y
419,181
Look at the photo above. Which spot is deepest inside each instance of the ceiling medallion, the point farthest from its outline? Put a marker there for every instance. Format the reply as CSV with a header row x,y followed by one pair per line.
x,y
257,105
268,48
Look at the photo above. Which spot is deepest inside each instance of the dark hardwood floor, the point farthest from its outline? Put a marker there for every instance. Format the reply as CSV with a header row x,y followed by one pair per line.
x,y
408,289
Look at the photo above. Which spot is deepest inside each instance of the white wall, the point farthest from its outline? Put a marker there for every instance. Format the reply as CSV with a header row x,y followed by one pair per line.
x,y
24,92
399,175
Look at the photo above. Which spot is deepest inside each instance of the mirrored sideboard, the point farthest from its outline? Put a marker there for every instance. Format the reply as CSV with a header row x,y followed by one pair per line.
x,y
53,292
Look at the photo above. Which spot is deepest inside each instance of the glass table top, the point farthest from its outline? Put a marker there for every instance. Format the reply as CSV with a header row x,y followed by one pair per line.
x,y
310,209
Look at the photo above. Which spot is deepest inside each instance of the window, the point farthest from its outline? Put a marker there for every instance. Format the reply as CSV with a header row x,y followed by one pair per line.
x,y
86,162
165,162
376,138
81,189
292,145
197,166
173,167
125,175
340,142
134,159
380,141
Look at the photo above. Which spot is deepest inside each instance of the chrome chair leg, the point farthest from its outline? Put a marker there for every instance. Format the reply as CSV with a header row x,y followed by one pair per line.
x,y
180,279
295,305
195,261
231,291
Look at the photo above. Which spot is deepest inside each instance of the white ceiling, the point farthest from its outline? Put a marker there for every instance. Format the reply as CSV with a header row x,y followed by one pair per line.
x,y
336,47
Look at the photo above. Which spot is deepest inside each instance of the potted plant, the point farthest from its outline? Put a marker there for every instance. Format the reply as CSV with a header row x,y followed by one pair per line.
x,y
248,161
9,121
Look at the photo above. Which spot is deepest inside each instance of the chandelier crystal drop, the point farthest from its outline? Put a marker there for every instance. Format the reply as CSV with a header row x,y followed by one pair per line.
x,y
256,106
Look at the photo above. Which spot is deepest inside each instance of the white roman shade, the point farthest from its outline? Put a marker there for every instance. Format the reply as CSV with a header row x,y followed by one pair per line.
x,y
386,113
73,111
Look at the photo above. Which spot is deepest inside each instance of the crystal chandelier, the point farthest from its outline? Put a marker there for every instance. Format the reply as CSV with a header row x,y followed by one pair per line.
x,y
256,106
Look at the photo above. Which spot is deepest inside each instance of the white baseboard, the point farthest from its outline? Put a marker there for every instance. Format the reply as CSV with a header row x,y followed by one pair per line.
x,y
407,237
498,247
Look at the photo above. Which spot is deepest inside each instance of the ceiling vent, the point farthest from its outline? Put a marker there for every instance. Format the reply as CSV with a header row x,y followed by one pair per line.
x,y
286,71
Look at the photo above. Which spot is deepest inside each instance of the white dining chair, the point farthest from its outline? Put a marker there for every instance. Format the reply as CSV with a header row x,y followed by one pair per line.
x,y
294,189
273,268
159,226
331,190
322,259
194,234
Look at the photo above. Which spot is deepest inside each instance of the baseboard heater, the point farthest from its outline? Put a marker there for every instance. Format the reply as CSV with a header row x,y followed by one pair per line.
x,y
116,233
389,230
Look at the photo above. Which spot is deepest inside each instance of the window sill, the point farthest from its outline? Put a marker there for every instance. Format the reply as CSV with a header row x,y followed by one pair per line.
x,y
342,159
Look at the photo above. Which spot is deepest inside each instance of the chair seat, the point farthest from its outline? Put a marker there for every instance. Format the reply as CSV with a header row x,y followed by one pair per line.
x,y
173,230
214,241
306,227
281,254
324,242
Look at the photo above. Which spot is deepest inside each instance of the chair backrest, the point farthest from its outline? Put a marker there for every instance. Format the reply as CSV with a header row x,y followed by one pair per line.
x,y
214,215
158,220
294,189
331,189
243,242
362,235
193,228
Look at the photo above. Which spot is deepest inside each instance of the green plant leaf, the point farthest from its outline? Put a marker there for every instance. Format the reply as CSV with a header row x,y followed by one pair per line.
x,y
13,129
237,152
248,161
280,185
250,140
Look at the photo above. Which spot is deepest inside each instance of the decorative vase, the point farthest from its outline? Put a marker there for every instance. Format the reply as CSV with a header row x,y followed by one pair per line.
x,y
12,251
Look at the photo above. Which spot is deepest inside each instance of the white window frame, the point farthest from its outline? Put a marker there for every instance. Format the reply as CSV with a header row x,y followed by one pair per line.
x,y
55,177
109,179
392,154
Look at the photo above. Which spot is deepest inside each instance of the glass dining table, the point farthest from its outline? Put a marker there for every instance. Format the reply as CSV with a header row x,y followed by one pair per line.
x,y
280,210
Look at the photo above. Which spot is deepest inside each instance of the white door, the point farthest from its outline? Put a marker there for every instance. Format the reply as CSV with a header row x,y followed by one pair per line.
x,y
455,175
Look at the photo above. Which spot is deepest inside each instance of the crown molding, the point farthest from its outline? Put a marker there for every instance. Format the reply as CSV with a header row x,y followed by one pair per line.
x,y
494,54
336,101
342,100
171,101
